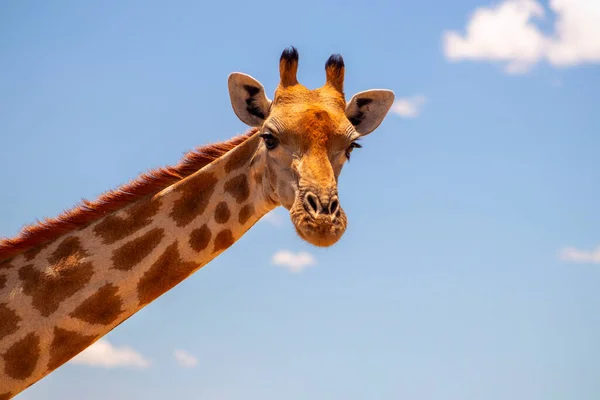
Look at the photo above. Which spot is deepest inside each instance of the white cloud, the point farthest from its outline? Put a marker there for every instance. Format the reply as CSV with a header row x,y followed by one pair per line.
x,y
185,359
501,33
293,262
580,256
577,32
506,32
104,354
409,107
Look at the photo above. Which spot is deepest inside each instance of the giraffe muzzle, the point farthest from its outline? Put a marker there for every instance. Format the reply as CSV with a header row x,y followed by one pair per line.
x,y
318,217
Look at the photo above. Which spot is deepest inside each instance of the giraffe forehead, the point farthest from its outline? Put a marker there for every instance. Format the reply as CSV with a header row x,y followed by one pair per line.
x,y
314,116
316,128
317,122
300,95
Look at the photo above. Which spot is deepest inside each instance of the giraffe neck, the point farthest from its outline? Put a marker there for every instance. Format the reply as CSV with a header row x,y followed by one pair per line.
x,y
56,303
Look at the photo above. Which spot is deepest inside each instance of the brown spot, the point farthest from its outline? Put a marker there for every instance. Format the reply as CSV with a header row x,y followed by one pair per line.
x,y
66,345
133,252
2,281
6,396
222,213
245,213
258,178
139,215
200,238
32,253
10,321
22,357
165,273
223,240
240,156
103,307
195,196
238,187
5,264
65,276
70,247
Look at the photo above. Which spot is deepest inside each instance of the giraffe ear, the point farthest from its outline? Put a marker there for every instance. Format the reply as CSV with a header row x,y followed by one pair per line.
x,y
248,99
367,109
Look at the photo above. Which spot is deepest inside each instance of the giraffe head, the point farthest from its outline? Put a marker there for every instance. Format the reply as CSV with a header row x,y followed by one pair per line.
x,y
308,136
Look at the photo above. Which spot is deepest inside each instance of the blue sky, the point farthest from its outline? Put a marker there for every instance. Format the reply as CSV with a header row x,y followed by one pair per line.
x,y
469,269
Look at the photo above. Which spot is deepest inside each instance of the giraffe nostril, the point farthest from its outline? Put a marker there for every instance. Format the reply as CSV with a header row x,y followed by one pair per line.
x,y
312,202
334,204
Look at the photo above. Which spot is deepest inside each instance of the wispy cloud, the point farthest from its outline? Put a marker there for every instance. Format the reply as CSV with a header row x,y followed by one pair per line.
x,y
185,359
409,107
104,354
294,262
580,256
506,33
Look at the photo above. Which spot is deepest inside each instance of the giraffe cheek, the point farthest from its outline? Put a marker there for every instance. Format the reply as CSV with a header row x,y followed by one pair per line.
x,y
286,193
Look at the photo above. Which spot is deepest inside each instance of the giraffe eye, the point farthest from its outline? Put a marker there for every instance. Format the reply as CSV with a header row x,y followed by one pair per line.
x,y
352,146
270,141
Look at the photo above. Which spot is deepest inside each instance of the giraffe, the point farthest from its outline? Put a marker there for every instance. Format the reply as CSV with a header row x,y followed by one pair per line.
x,y
67,281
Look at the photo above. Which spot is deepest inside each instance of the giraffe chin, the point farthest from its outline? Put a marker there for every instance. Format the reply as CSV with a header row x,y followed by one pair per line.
x,y
322,231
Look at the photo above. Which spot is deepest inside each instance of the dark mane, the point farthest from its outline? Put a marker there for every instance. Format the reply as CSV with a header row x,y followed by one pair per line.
x,y
85,212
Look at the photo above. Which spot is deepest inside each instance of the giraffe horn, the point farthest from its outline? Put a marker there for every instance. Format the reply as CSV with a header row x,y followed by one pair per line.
x,y
288,67
334,70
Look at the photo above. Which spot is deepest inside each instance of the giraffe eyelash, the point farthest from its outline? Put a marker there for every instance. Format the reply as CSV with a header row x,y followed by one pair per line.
x,y
353,145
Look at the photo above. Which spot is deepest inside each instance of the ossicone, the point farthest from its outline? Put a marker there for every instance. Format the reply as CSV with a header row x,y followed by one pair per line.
x,y
334,70
288,67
